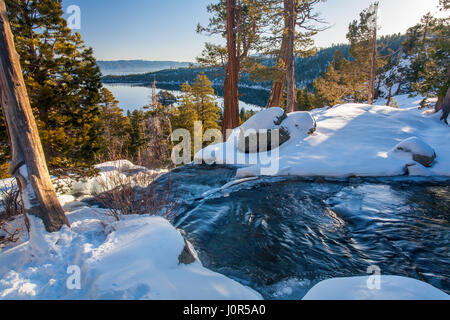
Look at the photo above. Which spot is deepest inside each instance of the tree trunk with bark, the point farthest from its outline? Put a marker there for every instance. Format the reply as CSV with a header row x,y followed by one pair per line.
x,y
446,107
373,58
389,96
28,160
290,18
373,67
231,91
277,90
440,102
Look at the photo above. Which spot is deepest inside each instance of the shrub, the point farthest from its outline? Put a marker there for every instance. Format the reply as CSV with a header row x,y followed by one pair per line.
x,y
11,208
126,193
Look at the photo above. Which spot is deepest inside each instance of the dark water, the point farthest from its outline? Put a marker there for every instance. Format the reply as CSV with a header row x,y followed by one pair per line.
x,y
281,236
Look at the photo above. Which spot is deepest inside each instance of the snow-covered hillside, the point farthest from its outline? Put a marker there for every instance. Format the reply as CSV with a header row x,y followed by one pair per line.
x,y
350,140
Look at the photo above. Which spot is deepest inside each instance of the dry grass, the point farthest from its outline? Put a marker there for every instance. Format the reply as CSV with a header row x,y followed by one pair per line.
x,y
134,194
11,208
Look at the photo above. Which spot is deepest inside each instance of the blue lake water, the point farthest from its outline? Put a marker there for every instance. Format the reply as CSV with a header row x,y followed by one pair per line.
x,y
132,97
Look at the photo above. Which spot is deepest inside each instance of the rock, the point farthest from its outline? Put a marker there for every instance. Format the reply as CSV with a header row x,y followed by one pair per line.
x,y
186,257
262,141
420,151
426,161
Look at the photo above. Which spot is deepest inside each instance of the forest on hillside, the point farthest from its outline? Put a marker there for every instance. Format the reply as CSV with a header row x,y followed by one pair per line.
x,y
306,70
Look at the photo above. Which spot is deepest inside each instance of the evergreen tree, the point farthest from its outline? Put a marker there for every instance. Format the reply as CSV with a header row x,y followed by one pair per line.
x,y
115,126
137,133
62,79
197,103
203,97
428,46
244,115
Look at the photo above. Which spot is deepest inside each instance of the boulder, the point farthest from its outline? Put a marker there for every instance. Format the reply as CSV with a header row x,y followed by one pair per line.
x,y
420,151
187,256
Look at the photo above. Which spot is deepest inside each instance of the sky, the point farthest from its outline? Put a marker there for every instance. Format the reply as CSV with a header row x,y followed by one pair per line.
x,y
166,30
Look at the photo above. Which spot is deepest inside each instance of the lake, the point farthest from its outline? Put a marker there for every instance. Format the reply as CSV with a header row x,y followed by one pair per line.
x,y
132,97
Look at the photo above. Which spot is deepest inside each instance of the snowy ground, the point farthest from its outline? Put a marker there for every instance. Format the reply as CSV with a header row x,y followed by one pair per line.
x,y
135,258
351,140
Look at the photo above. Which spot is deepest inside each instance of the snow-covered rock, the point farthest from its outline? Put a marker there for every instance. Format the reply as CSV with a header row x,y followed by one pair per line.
x,y
365,288
268,119
418,150
299,124
417,170
256,134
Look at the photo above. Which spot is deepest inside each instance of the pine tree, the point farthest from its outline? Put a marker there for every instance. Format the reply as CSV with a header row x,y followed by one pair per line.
x,y
197,103
363,41
204,102
62,79
339,84
116,128
428,46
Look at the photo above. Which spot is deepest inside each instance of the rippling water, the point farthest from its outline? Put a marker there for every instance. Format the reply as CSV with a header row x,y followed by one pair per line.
x,y
281,236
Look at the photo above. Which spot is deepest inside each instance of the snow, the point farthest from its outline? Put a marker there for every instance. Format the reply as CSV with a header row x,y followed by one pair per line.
x,y
264,120
413,146
364,288
135,258
299,124
350,140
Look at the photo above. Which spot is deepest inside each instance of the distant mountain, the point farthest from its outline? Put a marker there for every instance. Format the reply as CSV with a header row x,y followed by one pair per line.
x,y
122,67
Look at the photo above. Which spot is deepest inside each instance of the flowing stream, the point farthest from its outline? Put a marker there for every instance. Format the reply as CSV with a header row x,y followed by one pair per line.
x,y
281,236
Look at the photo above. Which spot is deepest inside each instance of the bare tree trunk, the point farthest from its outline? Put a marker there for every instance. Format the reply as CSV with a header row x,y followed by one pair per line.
x,y
440,101
290,17
373,57
231,91
446,107
373,68
389,96
28,160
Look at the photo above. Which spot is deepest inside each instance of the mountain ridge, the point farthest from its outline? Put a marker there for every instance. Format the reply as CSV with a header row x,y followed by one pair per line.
x,y
121,67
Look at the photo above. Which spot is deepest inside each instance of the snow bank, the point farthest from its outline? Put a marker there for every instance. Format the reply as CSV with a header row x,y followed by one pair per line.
x,y
350,140
136,258
119,170
391,288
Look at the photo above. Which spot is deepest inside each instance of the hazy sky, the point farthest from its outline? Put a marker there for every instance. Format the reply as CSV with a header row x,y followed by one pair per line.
x,y
165,29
